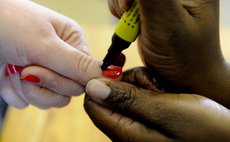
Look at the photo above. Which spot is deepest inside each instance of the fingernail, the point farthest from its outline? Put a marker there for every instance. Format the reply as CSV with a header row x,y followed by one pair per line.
x,y
31,78
19,69
6,73
112,72
11,68
97,89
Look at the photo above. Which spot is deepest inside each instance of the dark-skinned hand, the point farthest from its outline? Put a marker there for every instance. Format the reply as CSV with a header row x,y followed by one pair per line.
x,y
128,113
179,42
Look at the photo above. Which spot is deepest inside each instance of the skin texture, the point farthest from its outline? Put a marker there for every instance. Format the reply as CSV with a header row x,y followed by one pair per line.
x,y
51,47
179,42
127,113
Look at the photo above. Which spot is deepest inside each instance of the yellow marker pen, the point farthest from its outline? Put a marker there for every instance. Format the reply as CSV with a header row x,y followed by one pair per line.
x,y
125,33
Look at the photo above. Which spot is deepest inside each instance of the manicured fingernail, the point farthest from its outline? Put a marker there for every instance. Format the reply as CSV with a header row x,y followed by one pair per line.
x,y
31,78
11,68
7,73
19,69
112,72
97,89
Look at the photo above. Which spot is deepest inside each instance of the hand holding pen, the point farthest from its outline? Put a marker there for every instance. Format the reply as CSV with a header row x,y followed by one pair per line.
x,y
180,42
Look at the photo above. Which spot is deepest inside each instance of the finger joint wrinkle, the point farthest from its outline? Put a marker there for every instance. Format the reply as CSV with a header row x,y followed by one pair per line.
x,y
123,99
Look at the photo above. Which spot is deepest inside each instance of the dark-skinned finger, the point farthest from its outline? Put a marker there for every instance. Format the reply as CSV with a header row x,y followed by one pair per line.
x,y
119,127
155,110
115,9
141,77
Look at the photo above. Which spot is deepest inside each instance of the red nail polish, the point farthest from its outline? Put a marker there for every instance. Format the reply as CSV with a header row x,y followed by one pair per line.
x,y
11,68
112,72
7,73
31,78
19,69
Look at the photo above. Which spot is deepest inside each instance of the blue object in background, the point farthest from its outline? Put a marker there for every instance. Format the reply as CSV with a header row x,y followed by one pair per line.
x,y
3,108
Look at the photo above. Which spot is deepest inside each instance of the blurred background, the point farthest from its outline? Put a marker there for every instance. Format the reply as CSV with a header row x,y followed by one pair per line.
x,y
71,124
225,27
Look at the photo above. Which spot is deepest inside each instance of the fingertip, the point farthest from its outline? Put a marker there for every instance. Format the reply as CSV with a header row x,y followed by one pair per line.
x,y
92,71
31,78
97,89
20,106
124,4
10,96
19,69
13,100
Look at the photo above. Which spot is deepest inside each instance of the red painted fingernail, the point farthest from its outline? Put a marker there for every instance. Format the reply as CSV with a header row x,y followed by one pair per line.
x,y
19,69
11,68
31,78
7,73
112,72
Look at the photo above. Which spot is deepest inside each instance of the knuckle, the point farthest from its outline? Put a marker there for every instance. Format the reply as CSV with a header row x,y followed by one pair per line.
x,y
82,67
87,68
123,99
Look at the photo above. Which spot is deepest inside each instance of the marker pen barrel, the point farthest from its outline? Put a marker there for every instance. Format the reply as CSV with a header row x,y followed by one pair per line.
x,y
125,33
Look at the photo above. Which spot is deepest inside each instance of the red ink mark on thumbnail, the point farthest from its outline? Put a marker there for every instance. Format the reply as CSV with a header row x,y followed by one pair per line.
x,y
112,72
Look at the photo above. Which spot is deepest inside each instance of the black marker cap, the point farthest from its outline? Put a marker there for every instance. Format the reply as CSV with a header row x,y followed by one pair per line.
x,y
115,49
